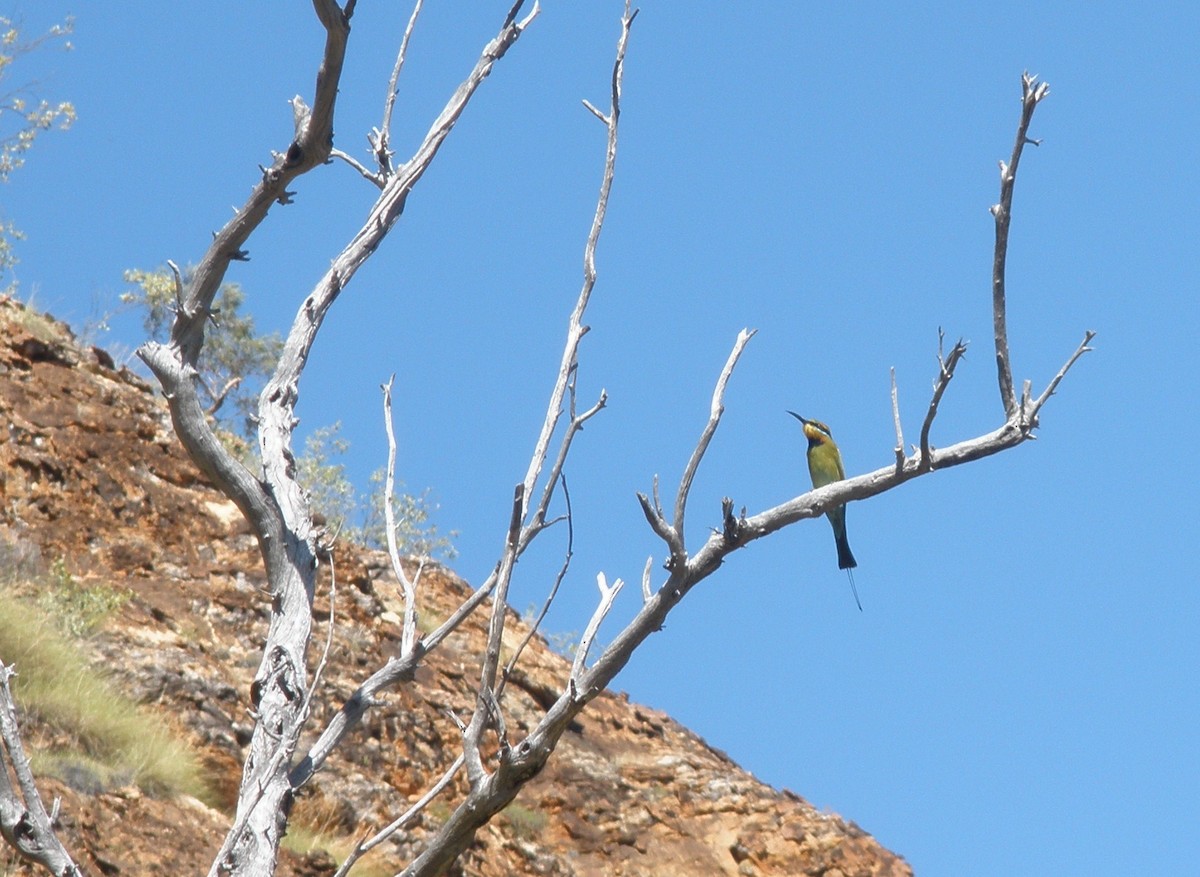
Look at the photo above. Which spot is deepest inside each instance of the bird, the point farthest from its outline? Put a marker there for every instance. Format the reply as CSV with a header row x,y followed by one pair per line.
x,y
825,467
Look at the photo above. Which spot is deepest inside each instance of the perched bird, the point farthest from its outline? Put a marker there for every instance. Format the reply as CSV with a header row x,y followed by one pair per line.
x,y
825,467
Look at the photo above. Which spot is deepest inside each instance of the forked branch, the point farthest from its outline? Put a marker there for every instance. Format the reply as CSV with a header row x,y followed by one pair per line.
x,y
1032,93
492,790
946,366
380,138
1030,416
576,329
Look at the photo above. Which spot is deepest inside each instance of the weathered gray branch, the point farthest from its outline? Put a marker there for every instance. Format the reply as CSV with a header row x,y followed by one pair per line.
x,y
716,409
1032,93
365,172
402,820
538,520
520,763
575,326
492,791
276,505
380,138
608,594
536,623
24,822
896,421
486,708
1031,414
309,148
946,366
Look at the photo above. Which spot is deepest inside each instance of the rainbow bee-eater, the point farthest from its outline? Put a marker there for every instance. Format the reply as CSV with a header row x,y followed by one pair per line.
x,y
825,467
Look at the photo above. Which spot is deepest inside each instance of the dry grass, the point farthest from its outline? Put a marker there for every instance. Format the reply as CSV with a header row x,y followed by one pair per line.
x,y
41,326
98,738
302,840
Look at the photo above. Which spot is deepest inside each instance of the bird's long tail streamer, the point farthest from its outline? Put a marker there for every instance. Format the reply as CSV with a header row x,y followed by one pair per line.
x,y
854,589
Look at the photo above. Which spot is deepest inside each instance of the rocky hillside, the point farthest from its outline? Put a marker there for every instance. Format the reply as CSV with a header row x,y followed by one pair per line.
x,y
91,476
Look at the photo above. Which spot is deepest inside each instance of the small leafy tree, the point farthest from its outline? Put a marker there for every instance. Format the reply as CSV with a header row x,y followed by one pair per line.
x,y
416,535
329,490
23,116
361,519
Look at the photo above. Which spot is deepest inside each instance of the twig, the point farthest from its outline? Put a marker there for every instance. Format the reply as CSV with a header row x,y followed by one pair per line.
x,y
1030,412
608,593
946,366
408,586
382,135
324,660
218,399
411,813
575,327
366,172
595,112
716,409
1032,93
558,579
896,420
178,286
646,579
659,525
24,822
538,521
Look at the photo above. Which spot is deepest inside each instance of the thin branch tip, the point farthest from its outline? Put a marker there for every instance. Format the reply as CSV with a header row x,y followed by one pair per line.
x,y
595,112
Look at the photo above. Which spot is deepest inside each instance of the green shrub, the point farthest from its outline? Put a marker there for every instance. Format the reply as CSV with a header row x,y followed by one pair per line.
x,y
77,608
526,822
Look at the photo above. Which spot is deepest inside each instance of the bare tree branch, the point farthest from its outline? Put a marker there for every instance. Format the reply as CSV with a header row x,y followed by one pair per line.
x,y
408,586
174,364
558,579
24,822
575,327
608,593
310,148
946,366
404,819
1030,412
896,421
658,523
218,398
538,521
378,179
486,707
381,136
716,409
1032,93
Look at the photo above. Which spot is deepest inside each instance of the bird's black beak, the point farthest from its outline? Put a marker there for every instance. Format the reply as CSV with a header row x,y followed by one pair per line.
x,y
797,416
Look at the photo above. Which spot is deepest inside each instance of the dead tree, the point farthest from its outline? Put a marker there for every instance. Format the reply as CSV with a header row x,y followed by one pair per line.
x,y
278,510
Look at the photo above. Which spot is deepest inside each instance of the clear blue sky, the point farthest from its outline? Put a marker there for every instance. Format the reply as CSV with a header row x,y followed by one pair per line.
x,y
1020,694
